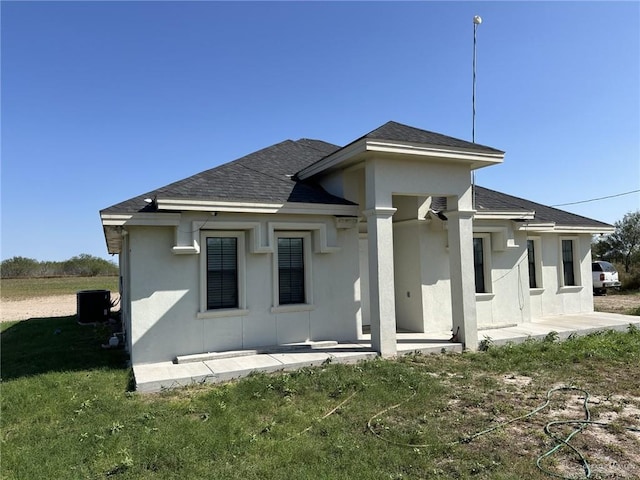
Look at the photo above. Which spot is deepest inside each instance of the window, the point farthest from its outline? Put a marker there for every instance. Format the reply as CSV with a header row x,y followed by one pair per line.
x,y
290,271
478,264
568,263
482,265
292,290
531,254
222,274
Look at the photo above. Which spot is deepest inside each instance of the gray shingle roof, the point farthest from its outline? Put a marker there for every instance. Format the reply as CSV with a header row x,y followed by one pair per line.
x,y
263,177
492,200
403,133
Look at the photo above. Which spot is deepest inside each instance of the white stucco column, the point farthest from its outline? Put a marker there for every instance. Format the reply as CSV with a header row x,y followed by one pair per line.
x,y
463,291
381,285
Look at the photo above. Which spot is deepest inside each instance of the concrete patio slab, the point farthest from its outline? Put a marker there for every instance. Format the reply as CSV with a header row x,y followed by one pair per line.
x,y
564,325
158,376
154,377
225,369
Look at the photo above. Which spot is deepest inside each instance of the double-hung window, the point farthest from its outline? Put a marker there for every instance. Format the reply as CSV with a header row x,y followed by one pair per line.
x,y
292,272
533,263
568,263
222,274
481,262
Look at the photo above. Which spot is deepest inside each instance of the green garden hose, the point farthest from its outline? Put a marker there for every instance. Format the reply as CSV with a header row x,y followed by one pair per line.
x,y
580,425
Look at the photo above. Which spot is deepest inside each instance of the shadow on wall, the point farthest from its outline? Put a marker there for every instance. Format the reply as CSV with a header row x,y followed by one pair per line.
x,y
57,344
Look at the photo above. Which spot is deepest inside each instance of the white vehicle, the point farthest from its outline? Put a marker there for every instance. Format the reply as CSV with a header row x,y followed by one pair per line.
x,y
605,276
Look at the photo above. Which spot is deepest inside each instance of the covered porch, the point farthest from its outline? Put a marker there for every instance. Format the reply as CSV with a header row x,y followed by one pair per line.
x,y
224,366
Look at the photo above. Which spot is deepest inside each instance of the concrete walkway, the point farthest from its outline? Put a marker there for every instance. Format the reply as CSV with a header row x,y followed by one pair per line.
x,y
224,366
564,325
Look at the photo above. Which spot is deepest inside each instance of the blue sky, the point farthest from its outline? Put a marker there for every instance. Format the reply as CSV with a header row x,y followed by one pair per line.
x,y
102,101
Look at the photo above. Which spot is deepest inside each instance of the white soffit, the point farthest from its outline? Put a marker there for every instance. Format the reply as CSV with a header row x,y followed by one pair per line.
x,y
182,204
142,219
505,215
553,228
356,152
251,207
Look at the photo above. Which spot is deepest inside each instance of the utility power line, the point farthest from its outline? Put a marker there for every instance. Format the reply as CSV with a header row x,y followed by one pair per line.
x,y
596,199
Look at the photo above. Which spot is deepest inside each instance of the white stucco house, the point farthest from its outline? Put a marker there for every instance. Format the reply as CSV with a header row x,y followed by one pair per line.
x,y
308,241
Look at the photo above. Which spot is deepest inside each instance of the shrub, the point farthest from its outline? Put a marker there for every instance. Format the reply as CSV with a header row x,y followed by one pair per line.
x,y
83,265
630,281
19,267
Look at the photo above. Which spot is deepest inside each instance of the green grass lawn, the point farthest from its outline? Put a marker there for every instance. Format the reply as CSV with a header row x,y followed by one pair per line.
x,y
22,288
68,413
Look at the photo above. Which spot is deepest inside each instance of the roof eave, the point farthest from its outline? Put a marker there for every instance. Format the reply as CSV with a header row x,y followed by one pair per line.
x,y
516,215
181,204
140,219
113,239
358,150
551,227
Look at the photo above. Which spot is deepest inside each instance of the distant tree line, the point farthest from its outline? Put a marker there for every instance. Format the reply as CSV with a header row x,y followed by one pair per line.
x,y
83,265
622,247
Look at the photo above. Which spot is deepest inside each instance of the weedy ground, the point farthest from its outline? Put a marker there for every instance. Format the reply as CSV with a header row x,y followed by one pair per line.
x,y
68,412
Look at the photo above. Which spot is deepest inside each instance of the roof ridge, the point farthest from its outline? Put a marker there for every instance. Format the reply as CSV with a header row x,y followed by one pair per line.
x,y
309,141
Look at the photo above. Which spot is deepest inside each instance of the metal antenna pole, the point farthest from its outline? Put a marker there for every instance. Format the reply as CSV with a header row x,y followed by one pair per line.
x,y
476,21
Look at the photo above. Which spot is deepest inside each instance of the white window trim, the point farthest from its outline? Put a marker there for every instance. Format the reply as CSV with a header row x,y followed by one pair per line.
x,y
576,265
308,287
242,298
537,250
486,263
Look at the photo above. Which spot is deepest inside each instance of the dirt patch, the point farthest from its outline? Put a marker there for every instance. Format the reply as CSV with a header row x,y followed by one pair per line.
x,y
615,303
610,445
38,307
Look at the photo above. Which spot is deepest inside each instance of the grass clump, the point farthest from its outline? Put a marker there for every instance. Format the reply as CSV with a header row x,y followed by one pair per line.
x,y
73,415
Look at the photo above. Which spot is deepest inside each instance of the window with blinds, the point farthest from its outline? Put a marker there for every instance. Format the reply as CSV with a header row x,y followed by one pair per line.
x,y
478,264
291,274
222,272
567,263
531,255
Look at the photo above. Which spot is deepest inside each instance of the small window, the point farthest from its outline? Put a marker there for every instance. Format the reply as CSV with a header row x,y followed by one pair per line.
x,y
291,276
568,263
531,254
478,264
222,272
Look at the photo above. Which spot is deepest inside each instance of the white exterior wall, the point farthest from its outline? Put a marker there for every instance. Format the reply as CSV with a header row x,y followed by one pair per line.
x,y
391,190
164,297
553,299
406,258
436,279
507,302
510,301
165,293
408,277
125,294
